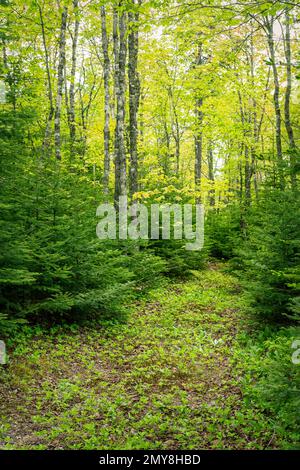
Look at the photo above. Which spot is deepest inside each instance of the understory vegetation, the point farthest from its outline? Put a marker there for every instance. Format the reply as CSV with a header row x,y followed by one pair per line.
x,y
140,343
137,385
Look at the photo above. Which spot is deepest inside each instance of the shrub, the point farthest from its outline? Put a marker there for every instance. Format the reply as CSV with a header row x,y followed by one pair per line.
x,y
269,258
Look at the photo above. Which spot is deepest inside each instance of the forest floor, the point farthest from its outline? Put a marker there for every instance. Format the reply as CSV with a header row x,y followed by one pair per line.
x,y
171,377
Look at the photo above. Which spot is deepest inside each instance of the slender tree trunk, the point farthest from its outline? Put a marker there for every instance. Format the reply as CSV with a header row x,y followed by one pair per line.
x,y
106,76
269,23
60,82
177,153
141,116
288,90
175,128
116,87
85,105
120,87
198,135
72,123
165,140
134,96
198,148
47,136
66,94
253,118
176,135
211,174
241,179
248,172
121,101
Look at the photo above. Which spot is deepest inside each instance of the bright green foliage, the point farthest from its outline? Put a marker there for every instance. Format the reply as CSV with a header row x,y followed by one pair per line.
x,y
176,375
270,256
207,110
223,232
16,257
273,382
179,261
53,265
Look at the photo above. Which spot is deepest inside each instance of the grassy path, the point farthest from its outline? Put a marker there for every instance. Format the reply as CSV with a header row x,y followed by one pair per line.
x,y
169,378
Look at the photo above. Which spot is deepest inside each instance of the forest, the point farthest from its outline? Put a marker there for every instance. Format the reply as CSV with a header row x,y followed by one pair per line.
x,y
137,342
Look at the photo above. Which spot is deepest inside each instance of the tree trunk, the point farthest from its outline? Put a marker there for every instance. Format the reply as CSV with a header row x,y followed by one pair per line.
x,y
287,115
47,136
241,179
175,129
198,135
248,174
198,148
269,22
177,153
106,76
253,120
116,87
60,82
248,171
134,96
211,175
72,124
176,135
120,87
